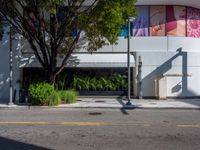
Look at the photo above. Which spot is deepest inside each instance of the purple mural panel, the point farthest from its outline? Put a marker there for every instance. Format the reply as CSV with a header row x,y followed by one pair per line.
x,y
141,24
193,22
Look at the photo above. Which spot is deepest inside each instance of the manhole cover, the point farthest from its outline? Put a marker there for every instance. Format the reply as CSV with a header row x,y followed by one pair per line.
x,y
165,121
95,113
100,101
153,103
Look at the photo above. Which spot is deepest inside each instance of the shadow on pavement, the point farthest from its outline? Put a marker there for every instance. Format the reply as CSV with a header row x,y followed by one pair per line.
x,y
9,144
125,107
195,102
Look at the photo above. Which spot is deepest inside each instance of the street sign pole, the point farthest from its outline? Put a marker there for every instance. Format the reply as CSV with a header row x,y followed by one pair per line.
x,y
128,64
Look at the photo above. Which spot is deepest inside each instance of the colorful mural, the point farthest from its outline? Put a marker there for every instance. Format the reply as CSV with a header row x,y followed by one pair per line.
x,y
176,21
165,21
193,22
141,24
157,20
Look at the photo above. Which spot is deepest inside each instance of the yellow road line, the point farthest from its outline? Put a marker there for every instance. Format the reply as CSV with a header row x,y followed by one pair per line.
x,y
16,123
52,123
85,123
188,126
91,124
147,125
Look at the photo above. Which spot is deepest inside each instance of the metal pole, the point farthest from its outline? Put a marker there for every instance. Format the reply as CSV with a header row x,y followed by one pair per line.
x,y
140,77
128,61
11,67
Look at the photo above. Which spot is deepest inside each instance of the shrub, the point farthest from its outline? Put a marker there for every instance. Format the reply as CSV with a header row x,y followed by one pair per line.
x,y
39,93
54,99
78,83
93,84
62,95
61,82
68,96
115,82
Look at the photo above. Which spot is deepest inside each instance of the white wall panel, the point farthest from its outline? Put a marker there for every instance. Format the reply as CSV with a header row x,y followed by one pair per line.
x,y
151,44
184,43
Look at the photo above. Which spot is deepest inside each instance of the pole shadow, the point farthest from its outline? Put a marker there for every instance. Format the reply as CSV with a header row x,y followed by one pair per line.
x,y
121,99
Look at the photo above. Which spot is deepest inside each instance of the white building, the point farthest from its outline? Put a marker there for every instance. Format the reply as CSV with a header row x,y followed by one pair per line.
x,y
166,34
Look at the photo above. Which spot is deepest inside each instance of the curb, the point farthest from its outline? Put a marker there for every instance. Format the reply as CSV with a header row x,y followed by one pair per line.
x,y
98,107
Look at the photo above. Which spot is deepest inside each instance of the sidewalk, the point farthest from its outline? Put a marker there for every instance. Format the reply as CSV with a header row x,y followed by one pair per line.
x,y
120,103
139,104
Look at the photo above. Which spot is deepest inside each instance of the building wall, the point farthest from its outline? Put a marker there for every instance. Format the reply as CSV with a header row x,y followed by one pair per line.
x,y
5,66
4,69
160,56
176,57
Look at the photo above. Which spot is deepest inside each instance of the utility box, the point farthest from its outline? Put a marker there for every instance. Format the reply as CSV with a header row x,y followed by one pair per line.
x,y
162,88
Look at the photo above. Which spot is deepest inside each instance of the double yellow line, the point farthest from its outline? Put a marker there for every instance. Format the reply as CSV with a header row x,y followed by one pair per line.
x,y
91,124
23,123
58,123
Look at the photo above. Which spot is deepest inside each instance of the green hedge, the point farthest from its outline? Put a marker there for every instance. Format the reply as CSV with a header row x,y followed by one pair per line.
x,y
54,99
68,96
39,93
45,94
116,82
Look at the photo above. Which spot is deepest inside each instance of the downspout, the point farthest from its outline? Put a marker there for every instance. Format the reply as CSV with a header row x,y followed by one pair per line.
x,y
135,72
140,94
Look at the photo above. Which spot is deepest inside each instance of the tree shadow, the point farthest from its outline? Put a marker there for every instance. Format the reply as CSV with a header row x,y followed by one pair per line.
x,y
4,68
10,144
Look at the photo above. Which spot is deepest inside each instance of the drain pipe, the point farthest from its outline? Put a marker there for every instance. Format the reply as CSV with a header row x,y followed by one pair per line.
x,y
140,94
135,72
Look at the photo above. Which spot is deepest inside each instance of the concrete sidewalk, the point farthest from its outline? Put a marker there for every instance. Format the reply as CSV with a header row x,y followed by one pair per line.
x,y
120,103
140,104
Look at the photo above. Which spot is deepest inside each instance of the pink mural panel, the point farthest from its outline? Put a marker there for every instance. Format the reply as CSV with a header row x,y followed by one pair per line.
x,y
176,21
193,22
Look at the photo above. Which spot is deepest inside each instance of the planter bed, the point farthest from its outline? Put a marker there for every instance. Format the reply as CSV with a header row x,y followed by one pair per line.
x,y
101,93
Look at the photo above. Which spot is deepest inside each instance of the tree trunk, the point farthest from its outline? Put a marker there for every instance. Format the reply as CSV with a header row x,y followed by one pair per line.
x,y
50,76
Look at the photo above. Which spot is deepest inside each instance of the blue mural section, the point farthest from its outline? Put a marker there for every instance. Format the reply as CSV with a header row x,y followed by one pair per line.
x,y
124,31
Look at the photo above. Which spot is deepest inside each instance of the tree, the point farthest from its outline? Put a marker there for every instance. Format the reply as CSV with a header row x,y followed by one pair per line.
x,y
48,25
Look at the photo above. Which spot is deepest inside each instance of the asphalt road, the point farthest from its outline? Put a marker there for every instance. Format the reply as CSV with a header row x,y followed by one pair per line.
x,y
93,129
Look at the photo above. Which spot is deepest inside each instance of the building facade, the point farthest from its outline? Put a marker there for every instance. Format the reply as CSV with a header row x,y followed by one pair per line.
x,y
165,34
